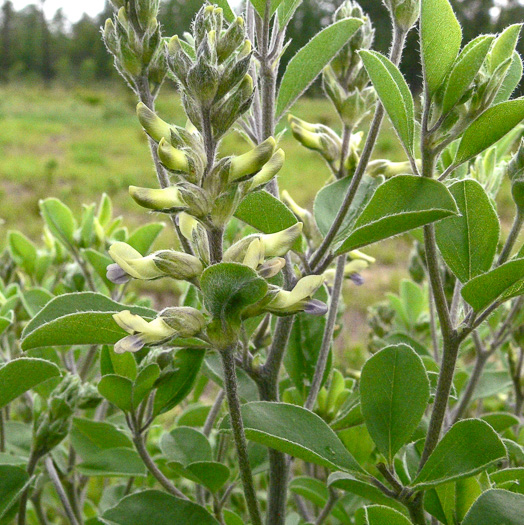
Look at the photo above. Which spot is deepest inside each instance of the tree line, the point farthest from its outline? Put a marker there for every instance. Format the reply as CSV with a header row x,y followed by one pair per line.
x,y
33,47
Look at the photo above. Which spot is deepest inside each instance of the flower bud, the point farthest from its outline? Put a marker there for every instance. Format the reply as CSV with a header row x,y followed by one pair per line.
x,y
142,332
153,125
404,12
231,40
167,200
255,254
270,169
311,230
110,37
195,233
299,299
186,321
271,268
253,161
173,159
352,268
166,263
117,275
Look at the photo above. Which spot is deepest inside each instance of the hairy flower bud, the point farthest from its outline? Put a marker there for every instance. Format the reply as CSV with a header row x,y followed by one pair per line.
x,y
270,169
271,268
166,263
252,162
173,159
153,125
231,40
404,12
186,321
255,254
167,200
300,299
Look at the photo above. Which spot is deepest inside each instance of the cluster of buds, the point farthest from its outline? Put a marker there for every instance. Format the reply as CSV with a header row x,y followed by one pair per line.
x,y
53,422
345,80
212,71
331,400
129,263
327,143
404,13
515,171
134,38
171,323
485,87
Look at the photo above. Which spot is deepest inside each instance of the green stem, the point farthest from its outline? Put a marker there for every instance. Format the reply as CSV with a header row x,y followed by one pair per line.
x,y
512,238
237,425
327,339
399,38
53,474
31,467
328,507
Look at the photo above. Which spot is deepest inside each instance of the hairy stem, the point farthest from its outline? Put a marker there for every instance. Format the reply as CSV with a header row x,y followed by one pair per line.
x,y
399,38
327,339
31,467
66,504
512,238
213,413
237,425
138,440
328,507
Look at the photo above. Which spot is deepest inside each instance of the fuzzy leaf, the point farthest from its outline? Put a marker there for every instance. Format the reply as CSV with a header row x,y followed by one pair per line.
x,y
468,447
468,242
401,204
59,219
13,480
260,6
295,431
309,61
394,94
394,394
496,506
498,285
379,515
441,37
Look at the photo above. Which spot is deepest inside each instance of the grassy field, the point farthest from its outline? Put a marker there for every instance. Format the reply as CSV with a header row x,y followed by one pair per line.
x,y
75,144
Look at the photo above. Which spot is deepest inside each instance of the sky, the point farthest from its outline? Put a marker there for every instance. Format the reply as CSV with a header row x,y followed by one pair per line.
x,y
73,9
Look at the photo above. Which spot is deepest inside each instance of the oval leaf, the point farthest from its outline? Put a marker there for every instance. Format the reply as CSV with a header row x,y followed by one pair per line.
x,y
153,506
309,61
489,128
496,506
186,445
394,94
115,462
20,375
394,393
468,447
59,219
441,36
260,6
401,204
13,480
379,515
295,431
78,319
498,285
468,243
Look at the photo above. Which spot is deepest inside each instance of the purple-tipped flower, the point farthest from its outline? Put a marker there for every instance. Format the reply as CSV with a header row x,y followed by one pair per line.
x,y
357,279
315,307
117,275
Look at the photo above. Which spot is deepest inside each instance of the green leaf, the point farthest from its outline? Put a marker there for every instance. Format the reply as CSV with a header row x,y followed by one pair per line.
x,y
464,71
286,10
467,448
145,383
295,431
90,437
173,387
501,421
260,6
348,483
113,462
468,243
489,128
13,480
496,286
210,474
186,445
20,375
117,390
504,46
309,62
329,200
495,507
379,515
143,238
60,220
511,81
105,210
23,251
229,288
152,506
229,14
78,319
394,394
441,36
394,94
35,299
401,204
99,262
276,217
